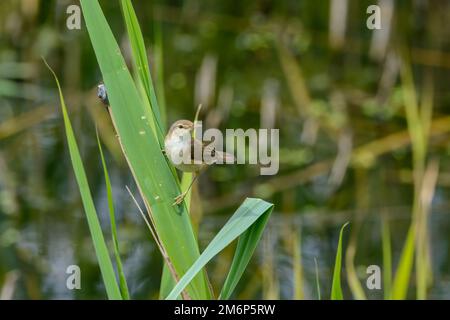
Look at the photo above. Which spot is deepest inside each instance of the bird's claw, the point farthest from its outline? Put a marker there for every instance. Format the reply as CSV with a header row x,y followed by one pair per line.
x,y
179,199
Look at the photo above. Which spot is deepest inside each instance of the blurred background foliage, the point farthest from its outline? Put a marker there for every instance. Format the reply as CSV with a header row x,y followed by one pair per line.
x,y
350,146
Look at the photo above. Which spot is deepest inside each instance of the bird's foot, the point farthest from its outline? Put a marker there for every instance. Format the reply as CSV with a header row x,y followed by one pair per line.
x,y
179,199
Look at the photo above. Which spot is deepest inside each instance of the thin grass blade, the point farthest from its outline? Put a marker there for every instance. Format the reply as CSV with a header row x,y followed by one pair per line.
x,y
122,280
297,265
316,268
387,260
187,176
418,144
336,289
101,250
159,68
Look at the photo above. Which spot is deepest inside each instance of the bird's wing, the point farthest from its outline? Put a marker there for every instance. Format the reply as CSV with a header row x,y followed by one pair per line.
x,y
196,145
209,149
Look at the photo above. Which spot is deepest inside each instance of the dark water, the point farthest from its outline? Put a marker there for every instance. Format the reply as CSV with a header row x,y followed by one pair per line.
x,y
41,252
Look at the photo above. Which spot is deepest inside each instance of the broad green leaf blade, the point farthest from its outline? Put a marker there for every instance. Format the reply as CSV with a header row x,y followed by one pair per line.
x,y
112,218
244,250
250,212
140,61
336,290
403,272
151,171
101,250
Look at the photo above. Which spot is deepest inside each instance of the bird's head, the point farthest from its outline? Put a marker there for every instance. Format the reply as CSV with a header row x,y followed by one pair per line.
x,y
181,128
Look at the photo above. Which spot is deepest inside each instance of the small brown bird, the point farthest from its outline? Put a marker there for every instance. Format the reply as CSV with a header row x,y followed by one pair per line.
x,y
179,141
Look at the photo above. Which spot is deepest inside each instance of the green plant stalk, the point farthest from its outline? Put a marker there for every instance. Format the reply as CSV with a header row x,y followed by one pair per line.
x,y
387,260
361,204
122,280
402,275
418,126
152,172
352,277
101,250
424,274
423,260
159,67
269,280
297,266
187,176
317,279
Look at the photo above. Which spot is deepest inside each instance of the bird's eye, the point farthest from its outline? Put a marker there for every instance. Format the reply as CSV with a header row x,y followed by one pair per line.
x,y
180,126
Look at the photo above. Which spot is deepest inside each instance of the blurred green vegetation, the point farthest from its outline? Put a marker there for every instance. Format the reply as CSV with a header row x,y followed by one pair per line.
x,y
351,147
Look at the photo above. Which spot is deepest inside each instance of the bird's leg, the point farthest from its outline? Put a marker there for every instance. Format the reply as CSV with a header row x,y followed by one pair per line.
x,y
180,197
